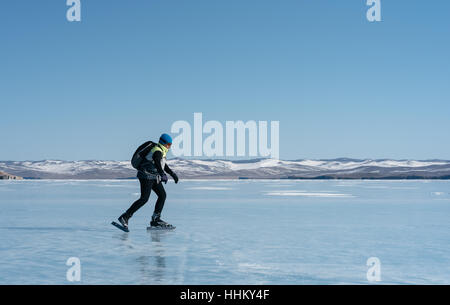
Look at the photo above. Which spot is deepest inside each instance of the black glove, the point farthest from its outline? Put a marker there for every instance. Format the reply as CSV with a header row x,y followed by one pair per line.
x,y
164,178
175,177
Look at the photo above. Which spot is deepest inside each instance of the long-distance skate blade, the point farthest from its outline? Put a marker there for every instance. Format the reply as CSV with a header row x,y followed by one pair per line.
x,y
119,226
168,228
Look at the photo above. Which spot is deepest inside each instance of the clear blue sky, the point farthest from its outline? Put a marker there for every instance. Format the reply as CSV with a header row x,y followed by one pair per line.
x,y
339,85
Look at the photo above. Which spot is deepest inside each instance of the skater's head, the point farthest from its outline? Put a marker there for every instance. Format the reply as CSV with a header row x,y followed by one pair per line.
x,y
165,140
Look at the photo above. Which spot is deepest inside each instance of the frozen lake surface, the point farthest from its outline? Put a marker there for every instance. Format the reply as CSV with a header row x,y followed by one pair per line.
x,y
228,232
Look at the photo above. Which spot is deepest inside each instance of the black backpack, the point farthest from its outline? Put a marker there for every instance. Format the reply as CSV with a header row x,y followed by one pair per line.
x,y
140,154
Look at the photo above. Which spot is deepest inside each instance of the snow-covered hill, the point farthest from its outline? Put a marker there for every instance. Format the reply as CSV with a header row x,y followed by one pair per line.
x,y
258,169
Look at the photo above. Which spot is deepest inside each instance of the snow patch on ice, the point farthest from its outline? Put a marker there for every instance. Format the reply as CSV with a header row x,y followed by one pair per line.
x,y
209,188
438,193
309,194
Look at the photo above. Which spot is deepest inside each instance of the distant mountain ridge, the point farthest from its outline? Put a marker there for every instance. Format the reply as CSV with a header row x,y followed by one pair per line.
x,y
341,168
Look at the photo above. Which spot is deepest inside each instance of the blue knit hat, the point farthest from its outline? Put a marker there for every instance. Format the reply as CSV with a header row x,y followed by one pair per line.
x,y
165,139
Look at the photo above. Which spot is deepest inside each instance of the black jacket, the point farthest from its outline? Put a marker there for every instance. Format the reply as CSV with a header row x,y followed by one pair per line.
x,y
150,169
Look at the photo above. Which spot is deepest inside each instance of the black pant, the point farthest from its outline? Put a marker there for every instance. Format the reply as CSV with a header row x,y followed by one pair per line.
x,y
146,187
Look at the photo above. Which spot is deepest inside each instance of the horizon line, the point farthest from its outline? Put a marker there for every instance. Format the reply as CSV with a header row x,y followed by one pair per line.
x,y
243,160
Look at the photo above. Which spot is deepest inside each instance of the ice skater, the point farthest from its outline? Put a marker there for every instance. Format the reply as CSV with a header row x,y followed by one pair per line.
x,y
152,171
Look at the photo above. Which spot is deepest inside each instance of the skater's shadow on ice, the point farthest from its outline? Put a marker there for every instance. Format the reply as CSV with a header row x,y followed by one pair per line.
x,y
123,241
158,236
123,236
153,266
